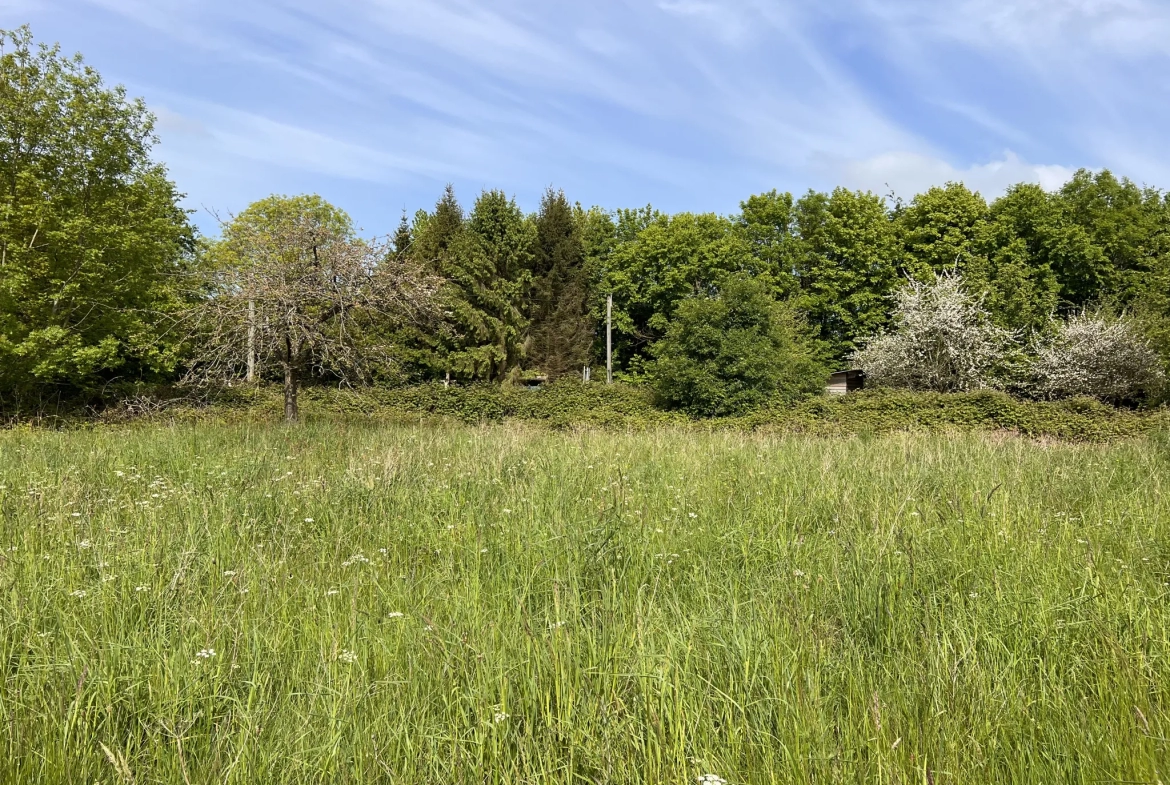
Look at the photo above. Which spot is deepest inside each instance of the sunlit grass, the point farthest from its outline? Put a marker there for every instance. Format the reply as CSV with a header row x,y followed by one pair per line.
x,y
337,603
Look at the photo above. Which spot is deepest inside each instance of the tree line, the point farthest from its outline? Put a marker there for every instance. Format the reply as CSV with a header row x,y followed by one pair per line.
x,y
106,286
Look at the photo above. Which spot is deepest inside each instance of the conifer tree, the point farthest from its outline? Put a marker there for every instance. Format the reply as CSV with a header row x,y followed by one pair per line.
x,y
562,330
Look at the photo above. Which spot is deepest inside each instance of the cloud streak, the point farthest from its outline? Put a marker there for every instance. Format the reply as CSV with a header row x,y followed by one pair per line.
x,y
686,103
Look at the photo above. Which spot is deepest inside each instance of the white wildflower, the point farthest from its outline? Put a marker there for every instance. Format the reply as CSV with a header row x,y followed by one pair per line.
x,y
395,615
308,520
205,654
141,588
347,656
711,779
499,717
229,573
78,593
331,592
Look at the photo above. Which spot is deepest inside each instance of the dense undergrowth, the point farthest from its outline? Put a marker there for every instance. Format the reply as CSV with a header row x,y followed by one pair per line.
x,y
572,404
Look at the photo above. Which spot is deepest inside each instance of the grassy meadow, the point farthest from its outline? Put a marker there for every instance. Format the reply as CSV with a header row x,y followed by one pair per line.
x,y
343,603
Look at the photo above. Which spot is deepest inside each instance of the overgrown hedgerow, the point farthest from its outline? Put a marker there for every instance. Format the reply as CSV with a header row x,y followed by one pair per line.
x,y
571,404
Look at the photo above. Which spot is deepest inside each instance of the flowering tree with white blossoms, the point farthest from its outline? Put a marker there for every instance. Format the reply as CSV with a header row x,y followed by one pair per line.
x,y
943,340
1095,356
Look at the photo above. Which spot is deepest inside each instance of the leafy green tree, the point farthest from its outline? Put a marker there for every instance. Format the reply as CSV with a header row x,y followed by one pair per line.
x,y
939,229
656,263
1130,226
1052,241
847,262
92,237
562,327
727,353
768,223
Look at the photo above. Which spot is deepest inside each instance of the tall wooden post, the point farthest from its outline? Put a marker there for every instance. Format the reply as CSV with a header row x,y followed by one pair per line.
x,y
609,340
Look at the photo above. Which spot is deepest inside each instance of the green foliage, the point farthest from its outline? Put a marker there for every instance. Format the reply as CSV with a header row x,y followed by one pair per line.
x,y
485,259
724,355
658,262
92,238
562,330
848,260
939,229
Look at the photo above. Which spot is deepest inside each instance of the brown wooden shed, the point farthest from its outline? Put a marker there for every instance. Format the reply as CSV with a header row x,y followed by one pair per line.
x,y
843,382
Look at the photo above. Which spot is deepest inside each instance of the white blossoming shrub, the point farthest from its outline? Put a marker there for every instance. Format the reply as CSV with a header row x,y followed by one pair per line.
x,y
943,340
1106,359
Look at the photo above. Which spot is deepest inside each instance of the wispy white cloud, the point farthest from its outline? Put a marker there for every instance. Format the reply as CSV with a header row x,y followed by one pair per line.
x,y
684,102
908,173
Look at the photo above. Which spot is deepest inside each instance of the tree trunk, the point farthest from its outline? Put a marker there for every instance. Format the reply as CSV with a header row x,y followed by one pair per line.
x,y
290,392
251,340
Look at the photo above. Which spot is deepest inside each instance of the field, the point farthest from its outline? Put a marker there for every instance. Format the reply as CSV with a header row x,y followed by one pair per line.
x,y
337,603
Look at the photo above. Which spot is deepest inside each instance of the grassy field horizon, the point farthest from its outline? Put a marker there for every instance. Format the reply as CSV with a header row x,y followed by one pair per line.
x,y
341,602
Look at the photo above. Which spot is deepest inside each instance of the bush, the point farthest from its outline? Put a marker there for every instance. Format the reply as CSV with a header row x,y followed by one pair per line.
x,y
1106,359
944,341
728,354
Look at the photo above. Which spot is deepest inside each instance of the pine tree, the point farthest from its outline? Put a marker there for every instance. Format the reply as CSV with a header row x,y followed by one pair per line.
x,y
403,239
562,330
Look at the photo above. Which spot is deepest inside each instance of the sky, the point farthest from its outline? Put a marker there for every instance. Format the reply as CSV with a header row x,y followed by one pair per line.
x,y
683,104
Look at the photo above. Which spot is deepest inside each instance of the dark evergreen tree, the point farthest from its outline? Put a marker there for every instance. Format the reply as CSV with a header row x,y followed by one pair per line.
x,y
403,239
562,330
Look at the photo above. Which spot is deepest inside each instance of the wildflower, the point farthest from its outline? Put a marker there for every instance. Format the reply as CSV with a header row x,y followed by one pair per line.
x,y
383,551
141,588
79,593
308,520
75,514
109,578
331,592
692,515
711,779
229,573
499,717
205,654
347,656
798,573
83,544
395,615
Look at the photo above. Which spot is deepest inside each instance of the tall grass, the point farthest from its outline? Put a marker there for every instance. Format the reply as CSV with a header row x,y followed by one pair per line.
x,y
338,603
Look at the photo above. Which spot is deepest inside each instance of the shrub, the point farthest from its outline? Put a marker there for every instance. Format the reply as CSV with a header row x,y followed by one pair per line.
x,y
1106,359
728,354
944,341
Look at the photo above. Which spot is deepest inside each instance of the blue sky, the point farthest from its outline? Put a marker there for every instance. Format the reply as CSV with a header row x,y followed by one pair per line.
x,y
685,104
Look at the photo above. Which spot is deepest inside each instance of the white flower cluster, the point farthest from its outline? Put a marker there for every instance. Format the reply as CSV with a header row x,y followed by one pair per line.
x,y
1096,357
943,340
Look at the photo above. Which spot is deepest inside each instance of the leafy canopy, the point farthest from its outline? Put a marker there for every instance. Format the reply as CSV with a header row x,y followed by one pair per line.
x,y
726,354
92,236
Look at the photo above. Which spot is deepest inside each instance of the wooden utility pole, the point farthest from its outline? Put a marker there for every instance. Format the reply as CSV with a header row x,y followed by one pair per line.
x,y
609,340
